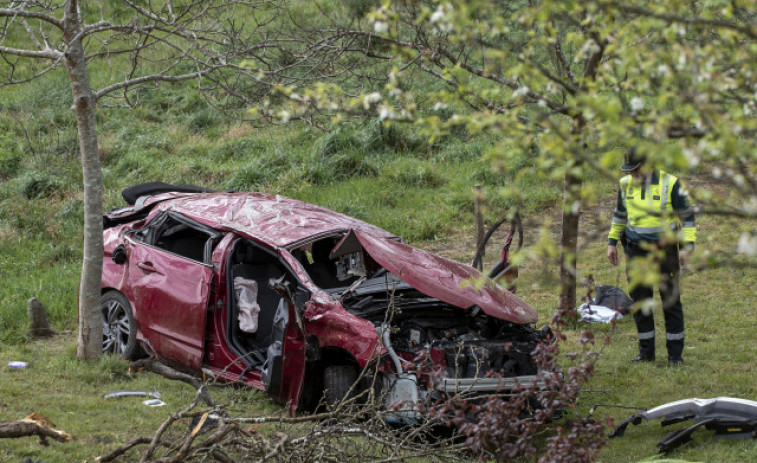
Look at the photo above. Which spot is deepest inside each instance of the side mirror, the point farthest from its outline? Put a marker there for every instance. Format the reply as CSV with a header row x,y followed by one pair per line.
x,y
119,254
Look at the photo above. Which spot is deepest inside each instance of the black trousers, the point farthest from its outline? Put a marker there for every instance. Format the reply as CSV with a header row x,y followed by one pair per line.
x,y
670,294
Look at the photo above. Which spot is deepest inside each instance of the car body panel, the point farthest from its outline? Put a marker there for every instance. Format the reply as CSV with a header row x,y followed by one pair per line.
x,y
336,328
445,279
293,368
276,220
172,294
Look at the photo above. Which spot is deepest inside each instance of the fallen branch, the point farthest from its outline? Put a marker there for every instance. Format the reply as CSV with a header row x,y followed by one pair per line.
x,y
33,425
117,452
151,364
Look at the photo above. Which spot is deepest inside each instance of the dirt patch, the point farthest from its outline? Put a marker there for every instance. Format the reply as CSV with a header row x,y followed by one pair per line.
x,y
6,232
239,131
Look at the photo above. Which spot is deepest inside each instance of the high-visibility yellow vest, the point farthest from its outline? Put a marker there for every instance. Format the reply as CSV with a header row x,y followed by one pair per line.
x,y
650,210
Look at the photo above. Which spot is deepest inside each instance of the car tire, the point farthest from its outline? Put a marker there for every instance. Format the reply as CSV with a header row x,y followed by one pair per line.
x,y
119,328
337,381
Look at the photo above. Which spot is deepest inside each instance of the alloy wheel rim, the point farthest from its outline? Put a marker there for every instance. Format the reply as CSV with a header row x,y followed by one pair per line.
x,y
116,327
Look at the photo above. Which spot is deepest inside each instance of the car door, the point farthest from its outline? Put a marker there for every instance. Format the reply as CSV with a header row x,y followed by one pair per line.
x,y
169,281
288,370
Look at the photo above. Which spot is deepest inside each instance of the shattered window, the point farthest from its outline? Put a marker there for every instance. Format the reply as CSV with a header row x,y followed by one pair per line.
x,y
180,238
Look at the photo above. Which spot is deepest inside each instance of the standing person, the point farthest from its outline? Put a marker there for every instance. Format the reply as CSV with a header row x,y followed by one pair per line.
x,y
651,203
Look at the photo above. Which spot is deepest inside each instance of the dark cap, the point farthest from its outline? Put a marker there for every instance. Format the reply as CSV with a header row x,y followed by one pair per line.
x,y
633,160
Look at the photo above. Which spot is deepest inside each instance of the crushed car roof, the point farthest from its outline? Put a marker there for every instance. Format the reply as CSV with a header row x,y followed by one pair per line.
x,y
275,219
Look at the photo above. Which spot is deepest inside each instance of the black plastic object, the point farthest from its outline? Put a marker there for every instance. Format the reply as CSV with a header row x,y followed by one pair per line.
x,y
132,193
613,297
119,254
730,417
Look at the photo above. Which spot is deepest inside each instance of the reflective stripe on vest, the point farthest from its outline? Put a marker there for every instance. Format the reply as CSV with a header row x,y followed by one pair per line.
x,y
648,216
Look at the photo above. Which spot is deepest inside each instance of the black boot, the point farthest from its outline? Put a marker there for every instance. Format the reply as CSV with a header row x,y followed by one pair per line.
x,y
646,351
675,352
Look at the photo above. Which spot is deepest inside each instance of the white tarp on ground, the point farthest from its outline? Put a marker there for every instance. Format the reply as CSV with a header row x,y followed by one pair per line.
x,y
598,314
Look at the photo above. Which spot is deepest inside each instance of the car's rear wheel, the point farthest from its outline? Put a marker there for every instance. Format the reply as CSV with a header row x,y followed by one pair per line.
x,y
337,381
119,328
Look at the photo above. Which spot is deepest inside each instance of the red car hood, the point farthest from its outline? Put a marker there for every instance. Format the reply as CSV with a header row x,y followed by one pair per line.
x,y
445,279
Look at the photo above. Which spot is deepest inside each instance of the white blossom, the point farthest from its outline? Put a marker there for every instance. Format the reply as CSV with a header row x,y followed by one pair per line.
x,y
682,62
750,207
747,244
521,91
589,48
437,16
637,104
285,116
370,99
647,307
385,112
380,27
691,156
440,106
575,207
663,70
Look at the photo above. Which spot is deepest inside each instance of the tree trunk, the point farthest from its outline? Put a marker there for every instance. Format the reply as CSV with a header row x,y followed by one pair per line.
x,y
572,197
90,319
569,240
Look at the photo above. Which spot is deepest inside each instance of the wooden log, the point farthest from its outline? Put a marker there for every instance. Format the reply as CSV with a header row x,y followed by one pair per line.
x,y
32,425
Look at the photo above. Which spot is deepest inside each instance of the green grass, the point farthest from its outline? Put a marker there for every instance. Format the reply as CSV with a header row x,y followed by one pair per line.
x,y
69,392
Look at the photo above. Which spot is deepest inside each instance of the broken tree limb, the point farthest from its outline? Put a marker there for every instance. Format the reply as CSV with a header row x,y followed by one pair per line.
x,y
478,206
151,364
33,425
117,452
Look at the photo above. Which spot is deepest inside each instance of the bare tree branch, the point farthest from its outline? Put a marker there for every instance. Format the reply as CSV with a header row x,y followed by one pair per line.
x,y
43,54
20,13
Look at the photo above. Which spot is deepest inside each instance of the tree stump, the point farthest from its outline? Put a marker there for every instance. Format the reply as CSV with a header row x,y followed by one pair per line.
x,y
39,326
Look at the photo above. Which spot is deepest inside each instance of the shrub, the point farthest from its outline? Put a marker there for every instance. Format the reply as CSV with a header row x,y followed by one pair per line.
x,y
37,185
339,166
11,153
264,168
410,172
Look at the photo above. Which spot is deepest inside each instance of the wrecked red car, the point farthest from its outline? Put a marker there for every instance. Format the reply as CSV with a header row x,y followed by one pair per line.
x,y
296,300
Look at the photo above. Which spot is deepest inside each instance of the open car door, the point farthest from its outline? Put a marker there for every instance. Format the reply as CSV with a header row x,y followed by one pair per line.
x,y
170,295
285,360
